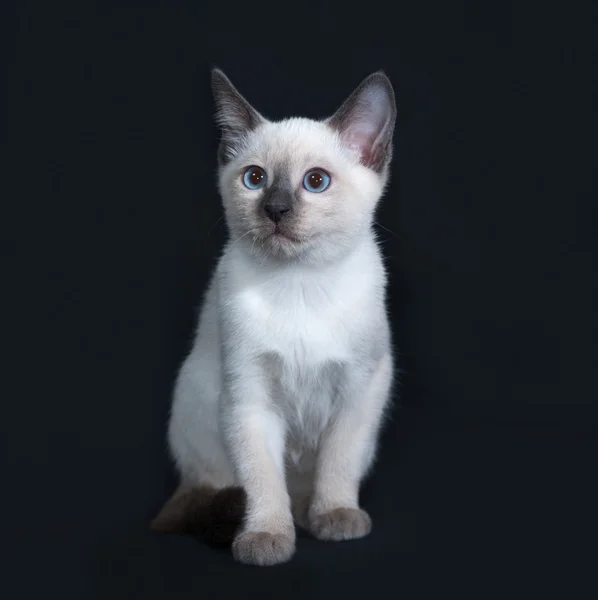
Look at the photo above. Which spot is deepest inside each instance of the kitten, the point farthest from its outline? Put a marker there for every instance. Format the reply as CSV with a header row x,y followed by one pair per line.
x,y
278,406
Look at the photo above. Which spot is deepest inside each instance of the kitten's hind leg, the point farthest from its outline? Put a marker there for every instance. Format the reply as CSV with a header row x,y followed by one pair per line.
x,y
300,483
300,510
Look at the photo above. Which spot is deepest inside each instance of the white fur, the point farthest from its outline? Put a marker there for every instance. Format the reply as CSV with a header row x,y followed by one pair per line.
x,y
284,389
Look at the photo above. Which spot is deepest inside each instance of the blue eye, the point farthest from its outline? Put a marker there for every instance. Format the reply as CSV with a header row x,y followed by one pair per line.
x,y
255,178
316,181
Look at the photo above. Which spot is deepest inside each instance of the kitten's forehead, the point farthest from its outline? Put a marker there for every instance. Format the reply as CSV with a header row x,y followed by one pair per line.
x,y
293,142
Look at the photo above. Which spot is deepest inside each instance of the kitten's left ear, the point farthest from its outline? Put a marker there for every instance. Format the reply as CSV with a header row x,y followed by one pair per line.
x,y
366,120
234,114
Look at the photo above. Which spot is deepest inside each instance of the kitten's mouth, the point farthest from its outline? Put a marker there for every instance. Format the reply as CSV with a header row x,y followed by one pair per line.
x,y
283,235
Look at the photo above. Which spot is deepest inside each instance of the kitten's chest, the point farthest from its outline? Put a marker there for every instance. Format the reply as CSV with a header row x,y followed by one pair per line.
x,y
304,324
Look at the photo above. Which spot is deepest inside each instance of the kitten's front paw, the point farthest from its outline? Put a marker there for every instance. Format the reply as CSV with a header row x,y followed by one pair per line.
x,y
340,524
262,548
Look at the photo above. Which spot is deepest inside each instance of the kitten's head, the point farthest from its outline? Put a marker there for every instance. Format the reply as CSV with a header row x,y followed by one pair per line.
x,y
300,188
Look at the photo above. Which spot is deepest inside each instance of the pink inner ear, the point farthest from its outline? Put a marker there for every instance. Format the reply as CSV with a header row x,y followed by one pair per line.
x,y
361,140
367,122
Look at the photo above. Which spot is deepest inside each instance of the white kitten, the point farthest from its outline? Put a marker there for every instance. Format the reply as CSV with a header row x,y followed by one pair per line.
x,y
277,408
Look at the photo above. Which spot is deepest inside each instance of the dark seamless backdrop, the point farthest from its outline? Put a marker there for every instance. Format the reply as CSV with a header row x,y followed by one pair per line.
x,y
111,228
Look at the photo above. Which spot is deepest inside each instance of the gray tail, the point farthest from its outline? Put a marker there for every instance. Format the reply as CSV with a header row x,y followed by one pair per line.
x,y
212,515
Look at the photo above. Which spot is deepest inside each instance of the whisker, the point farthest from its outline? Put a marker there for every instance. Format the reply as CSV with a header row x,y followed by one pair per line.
x,y
389,231
214,226
242,236
265,257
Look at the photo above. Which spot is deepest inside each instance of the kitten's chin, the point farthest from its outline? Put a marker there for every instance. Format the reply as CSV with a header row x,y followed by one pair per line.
x,y
283,237
277,243
284,244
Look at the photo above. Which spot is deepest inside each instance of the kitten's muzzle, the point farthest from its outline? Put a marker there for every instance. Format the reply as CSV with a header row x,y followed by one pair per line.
x,y
275,212
277,203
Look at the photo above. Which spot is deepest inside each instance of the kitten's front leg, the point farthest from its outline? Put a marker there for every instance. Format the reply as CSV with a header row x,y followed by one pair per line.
x,y
255,437
346,452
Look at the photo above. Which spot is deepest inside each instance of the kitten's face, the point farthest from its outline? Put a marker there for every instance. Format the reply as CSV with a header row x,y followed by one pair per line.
x,y
300,188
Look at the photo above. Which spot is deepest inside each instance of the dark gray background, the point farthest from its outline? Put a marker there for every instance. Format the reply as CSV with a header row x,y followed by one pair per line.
x,y
110,230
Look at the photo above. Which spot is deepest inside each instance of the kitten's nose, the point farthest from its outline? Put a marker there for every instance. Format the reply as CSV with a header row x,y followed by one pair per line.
x,y
276,211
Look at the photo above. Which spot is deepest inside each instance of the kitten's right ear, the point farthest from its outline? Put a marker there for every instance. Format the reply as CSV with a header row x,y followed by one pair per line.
x,y
235,116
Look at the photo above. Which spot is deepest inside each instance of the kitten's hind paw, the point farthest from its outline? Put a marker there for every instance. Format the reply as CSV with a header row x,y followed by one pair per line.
x,y
262,548
340,524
